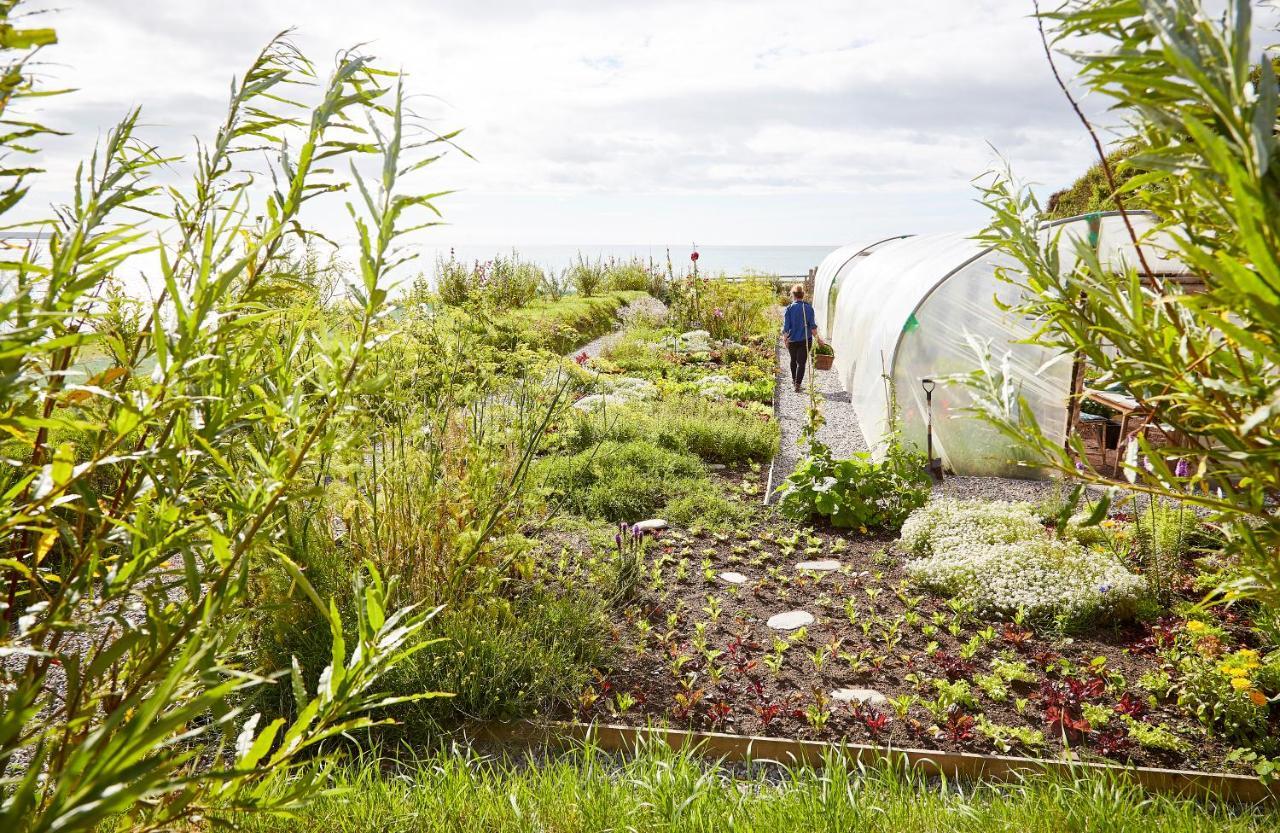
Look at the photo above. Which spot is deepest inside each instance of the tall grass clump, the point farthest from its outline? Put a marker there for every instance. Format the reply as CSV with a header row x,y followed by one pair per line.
x,y
141,500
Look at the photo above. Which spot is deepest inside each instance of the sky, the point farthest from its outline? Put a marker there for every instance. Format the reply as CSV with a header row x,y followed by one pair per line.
x,y
614,122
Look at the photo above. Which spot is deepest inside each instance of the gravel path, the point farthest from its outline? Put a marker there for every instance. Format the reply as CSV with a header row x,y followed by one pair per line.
x,y
648,306
840,432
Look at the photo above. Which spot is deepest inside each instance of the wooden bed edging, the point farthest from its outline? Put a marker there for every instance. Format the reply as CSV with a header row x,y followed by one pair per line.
x,y
619,738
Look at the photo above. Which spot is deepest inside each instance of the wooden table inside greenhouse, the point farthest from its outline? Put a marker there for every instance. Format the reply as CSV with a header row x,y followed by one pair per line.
x,y
1127,407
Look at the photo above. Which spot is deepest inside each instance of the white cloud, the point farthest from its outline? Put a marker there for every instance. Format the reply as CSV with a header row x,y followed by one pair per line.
x,y
630,120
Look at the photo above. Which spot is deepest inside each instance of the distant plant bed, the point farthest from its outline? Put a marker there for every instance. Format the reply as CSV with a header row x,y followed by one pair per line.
x,y
717,431
1001,559
560,326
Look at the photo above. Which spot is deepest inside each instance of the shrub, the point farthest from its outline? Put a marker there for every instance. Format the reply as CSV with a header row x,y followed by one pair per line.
x,y
858,492
1223,694
454,282
628,275
704,506
504,282
507,658
509,282
587,275
946,522
1044,577
555,285
727,309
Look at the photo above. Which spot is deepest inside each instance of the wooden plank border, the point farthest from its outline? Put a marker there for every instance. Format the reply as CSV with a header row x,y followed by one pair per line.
x,y
718,745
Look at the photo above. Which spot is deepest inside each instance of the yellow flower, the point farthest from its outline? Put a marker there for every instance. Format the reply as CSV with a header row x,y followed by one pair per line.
x,y
1196,626
1240,663
1240,683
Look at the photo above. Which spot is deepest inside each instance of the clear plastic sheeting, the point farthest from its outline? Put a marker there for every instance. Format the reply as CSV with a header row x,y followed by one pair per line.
x,y
914,308
830,276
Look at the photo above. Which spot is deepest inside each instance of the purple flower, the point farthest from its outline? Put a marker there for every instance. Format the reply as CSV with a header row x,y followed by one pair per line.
x,y
617,540
1183,469
1080,467
1106,588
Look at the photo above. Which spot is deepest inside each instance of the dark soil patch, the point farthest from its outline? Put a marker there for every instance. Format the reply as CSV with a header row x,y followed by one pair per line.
x,y
689,662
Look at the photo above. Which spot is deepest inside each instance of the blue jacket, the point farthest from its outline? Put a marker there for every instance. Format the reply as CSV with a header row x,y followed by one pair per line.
x,y
798,321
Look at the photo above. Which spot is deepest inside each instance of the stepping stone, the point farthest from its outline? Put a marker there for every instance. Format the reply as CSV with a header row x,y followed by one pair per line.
x,y
825,565
790,620
651,525
865,696
733,578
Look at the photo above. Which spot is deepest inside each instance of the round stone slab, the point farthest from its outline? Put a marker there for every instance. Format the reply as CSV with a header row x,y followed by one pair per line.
x,y
731,577
826,565
790,620
651,525
865,696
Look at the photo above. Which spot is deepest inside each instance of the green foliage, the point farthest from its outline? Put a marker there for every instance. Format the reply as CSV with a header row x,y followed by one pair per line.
x,y
507,658
619,481
590,790
502,283
140,503
1205,687
1008,738
718,432
1152,735
557,326
632,275
858,492
1179,74
727,309
1163,534
704,505
1092,192
587,275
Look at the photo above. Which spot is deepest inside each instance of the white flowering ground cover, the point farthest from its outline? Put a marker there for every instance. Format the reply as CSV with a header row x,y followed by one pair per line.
x,y
1000,558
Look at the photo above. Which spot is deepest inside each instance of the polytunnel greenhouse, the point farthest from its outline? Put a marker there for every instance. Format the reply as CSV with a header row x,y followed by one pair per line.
x,y
904,309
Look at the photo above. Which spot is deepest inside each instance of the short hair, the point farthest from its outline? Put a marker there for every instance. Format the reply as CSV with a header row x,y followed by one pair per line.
x,y
797,291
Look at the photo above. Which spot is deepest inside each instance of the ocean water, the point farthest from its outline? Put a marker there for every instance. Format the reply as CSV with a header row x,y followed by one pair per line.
x,y
784,261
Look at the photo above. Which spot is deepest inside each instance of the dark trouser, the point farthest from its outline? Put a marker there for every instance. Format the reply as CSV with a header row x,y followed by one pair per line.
x,y
799,351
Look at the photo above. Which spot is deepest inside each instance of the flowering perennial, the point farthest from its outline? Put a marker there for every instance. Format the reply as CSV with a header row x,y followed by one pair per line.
x,y
942,524
1001,559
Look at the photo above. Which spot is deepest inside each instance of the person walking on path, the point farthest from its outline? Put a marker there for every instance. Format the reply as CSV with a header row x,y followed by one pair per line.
x,y
799,329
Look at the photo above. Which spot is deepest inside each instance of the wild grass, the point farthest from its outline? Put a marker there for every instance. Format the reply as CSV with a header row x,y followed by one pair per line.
x,y
562,325
620,481
664,791
716,431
